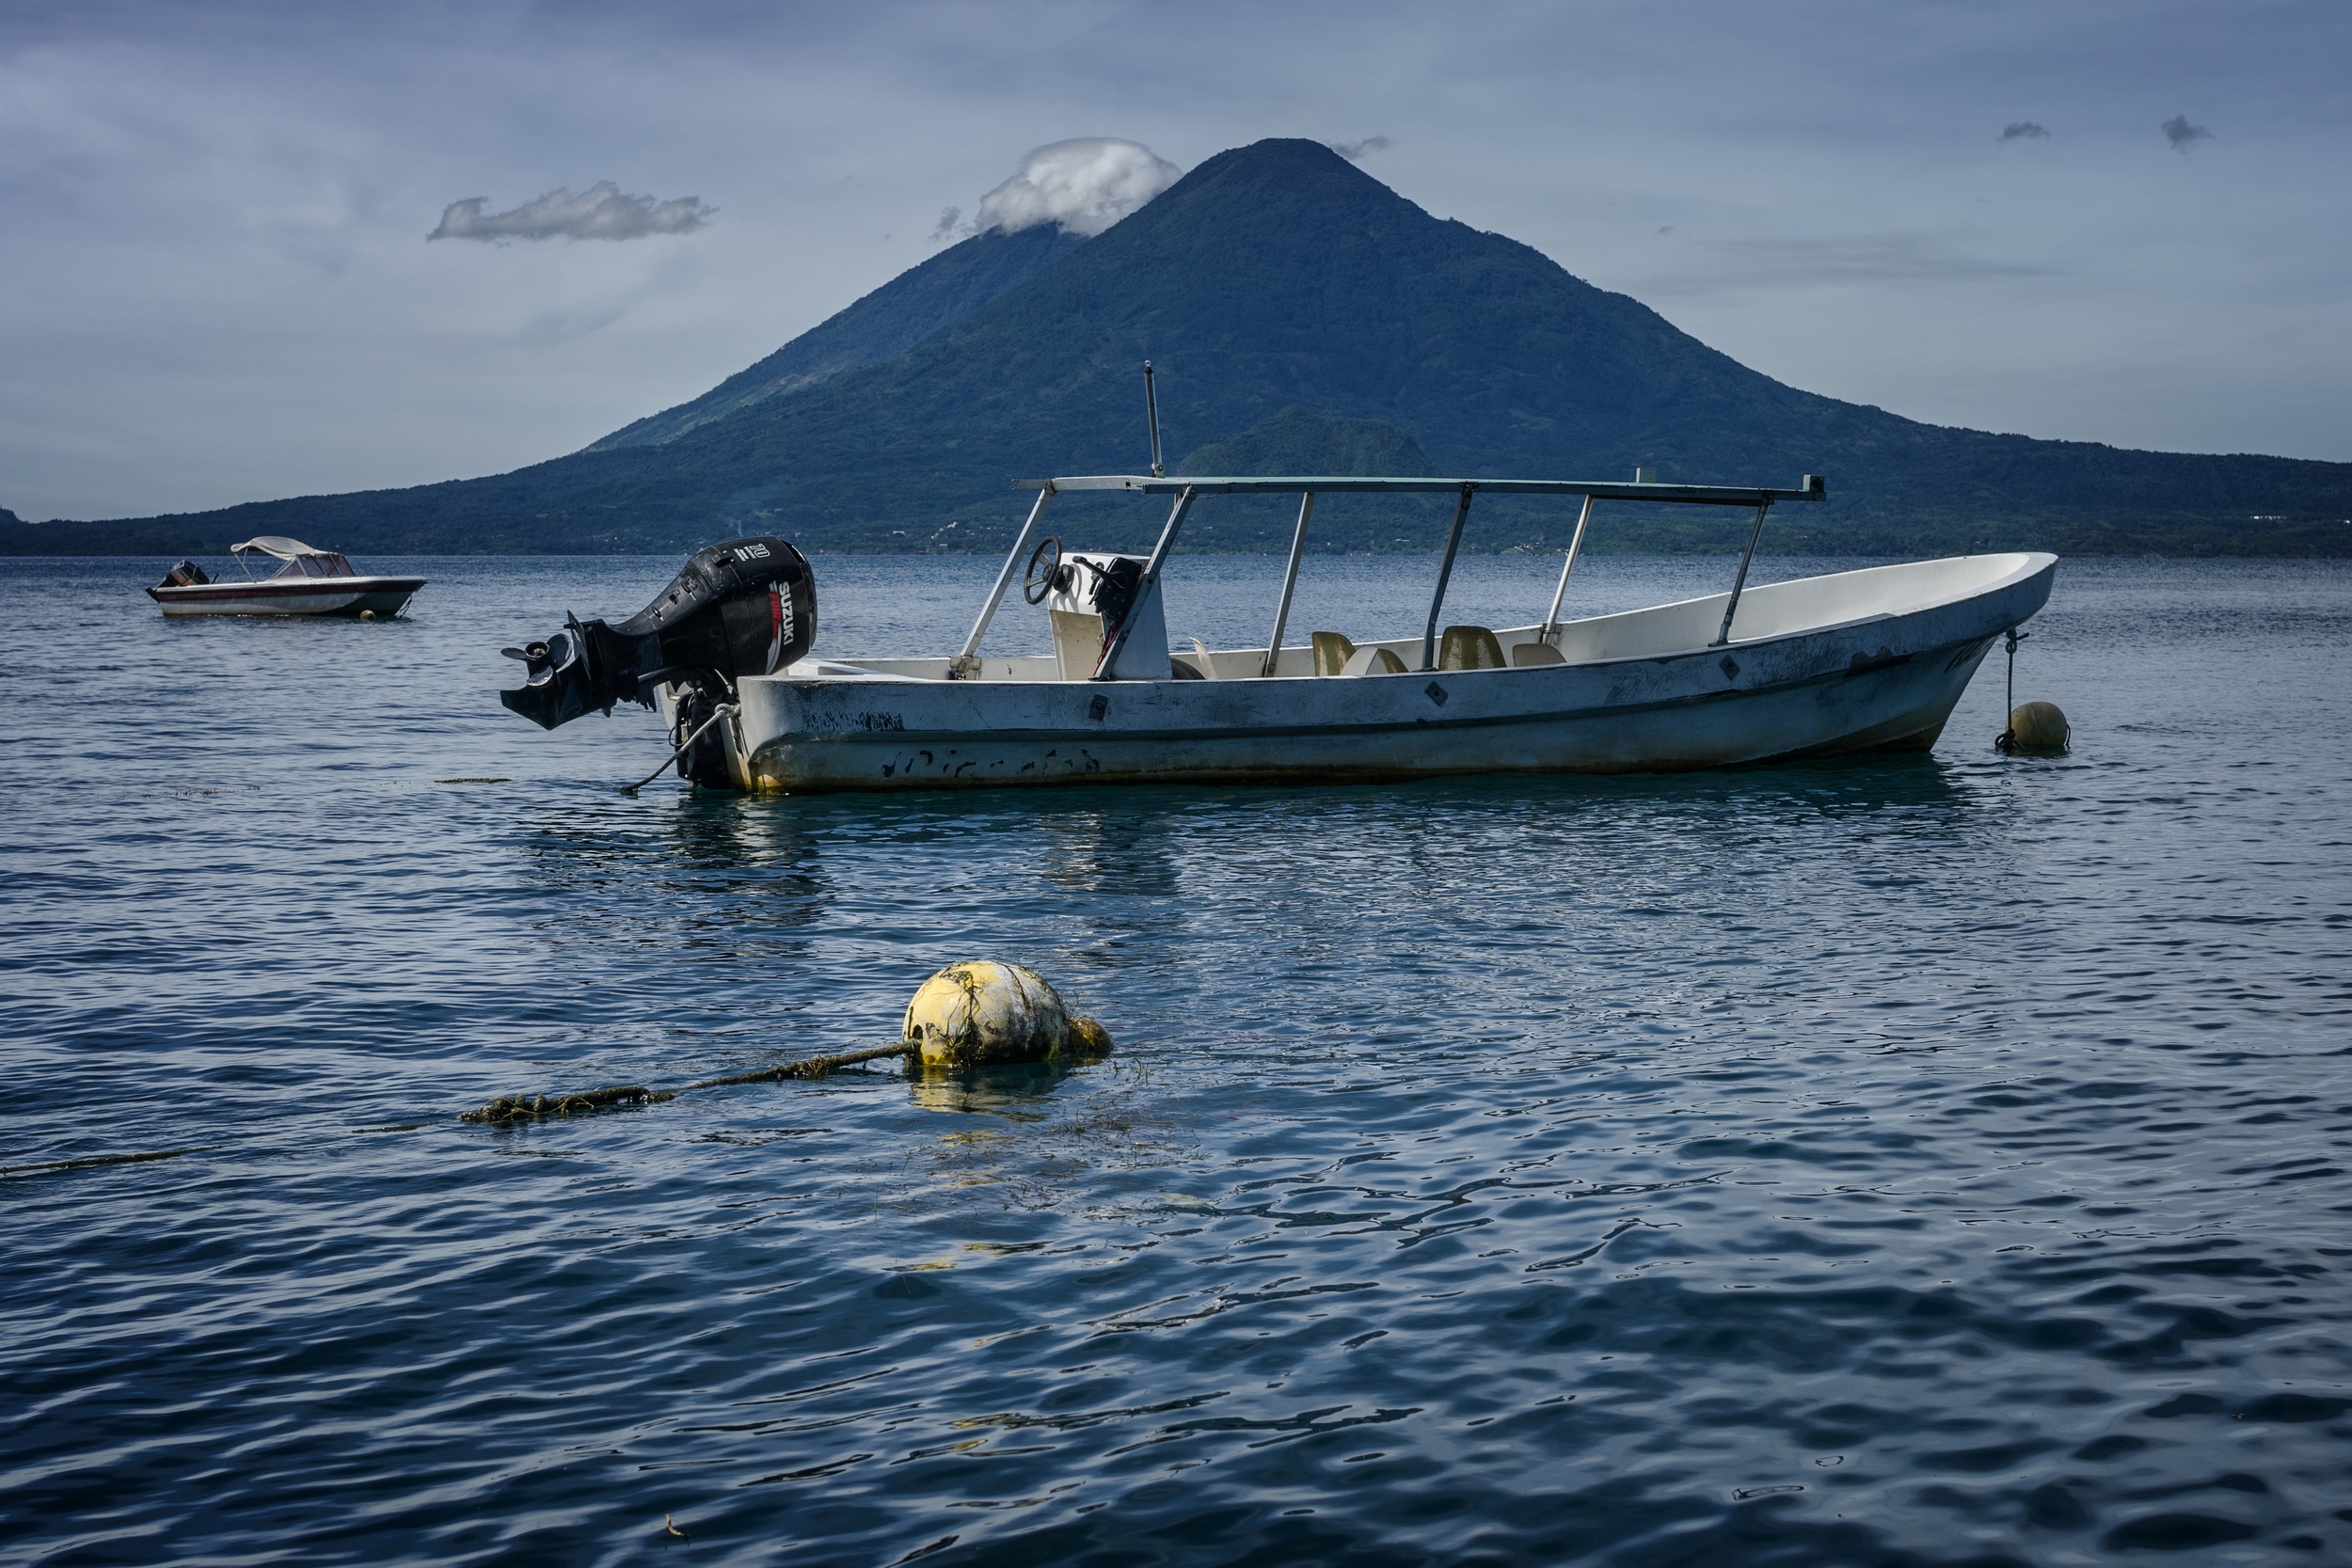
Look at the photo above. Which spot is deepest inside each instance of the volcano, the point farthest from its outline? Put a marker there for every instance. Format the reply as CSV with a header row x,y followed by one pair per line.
x,y
1294,306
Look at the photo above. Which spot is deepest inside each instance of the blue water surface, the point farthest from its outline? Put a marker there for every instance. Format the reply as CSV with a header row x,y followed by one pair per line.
x,y
1906,1160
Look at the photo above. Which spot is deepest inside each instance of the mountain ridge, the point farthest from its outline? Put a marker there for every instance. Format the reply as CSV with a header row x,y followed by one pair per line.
x,y
878,326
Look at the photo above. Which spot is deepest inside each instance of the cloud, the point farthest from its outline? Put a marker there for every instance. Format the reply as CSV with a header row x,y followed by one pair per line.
x,y
1354,151
2023,130
948,218
602,212
2181,134
1085,185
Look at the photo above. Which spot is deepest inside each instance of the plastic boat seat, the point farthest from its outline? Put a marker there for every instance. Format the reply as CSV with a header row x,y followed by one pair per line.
x,y
1332,651
1526,655
1470,648
1373,662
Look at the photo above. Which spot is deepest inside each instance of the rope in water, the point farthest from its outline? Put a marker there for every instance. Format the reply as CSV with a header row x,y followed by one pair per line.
x,y
685,746
513,1108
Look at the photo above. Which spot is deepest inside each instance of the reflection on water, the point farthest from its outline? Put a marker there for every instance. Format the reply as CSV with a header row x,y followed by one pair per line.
x,y
1108,847
1914,1160
1010,1089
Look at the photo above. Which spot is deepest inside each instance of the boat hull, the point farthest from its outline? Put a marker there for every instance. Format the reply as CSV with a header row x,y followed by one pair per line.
x,y
346,597
1884,681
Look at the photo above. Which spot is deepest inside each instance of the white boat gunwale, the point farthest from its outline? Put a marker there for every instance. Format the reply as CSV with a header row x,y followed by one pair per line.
x,y
854,670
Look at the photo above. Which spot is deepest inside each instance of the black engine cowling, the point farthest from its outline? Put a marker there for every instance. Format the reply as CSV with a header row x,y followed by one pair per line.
x,y
744,608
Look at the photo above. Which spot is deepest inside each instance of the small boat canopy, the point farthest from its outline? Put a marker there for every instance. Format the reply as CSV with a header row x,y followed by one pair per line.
x,y
301,560
276,545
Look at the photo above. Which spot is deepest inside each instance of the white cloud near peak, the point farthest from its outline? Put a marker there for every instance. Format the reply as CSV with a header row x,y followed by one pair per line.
x,y
1085,184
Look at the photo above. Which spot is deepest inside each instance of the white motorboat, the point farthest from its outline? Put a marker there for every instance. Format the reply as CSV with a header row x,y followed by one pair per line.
x,y
308,582
1870,660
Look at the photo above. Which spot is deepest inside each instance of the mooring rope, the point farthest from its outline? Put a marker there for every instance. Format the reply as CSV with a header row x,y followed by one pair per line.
x,y
523,1107
2007,740
813,1067
685,746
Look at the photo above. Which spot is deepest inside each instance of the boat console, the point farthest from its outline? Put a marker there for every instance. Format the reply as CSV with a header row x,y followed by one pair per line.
x,y
1088,595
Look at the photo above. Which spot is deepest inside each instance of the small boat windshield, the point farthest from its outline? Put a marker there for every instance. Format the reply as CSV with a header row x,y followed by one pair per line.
x,y
322,564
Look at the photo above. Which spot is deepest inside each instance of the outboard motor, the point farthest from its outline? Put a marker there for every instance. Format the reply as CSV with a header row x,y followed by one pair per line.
x,y
744,608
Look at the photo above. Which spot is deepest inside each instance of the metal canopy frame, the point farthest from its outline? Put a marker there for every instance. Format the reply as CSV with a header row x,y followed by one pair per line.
x,y
1815,488
1186,491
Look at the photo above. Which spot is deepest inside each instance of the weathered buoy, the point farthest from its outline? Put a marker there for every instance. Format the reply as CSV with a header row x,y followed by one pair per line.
x,y
2037,727
982,1013
367,615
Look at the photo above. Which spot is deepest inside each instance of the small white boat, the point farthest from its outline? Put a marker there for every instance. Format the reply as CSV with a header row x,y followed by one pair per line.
x,y
309,582
1870,660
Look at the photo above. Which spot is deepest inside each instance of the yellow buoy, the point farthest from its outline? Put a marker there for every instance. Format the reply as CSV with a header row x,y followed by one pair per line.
x,y
2037,727
977,1013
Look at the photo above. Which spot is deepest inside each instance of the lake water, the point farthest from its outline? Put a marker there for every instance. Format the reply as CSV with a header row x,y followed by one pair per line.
x,y
1935,1159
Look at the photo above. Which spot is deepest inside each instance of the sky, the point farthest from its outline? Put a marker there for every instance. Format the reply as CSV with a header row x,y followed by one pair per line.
x,y
2123,222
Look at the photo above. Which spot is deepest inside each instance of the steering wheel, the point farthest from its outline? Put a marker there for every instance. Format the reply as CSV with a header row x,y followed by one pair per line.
x,y
1035,584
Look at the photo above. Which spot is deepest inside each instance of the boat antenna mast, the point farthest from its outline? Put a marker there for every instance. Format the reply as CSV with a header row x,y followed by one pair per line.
x,y
1152,416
